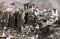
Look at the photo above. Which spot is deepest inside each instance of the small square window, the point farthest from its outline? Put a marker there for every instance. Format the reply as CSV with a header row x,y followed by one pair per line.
x,y
30,7
33,9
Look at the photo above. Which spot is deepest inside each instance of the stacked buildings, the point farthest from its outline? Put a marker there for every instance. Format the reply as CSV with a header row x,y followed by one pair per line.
x,y
30,23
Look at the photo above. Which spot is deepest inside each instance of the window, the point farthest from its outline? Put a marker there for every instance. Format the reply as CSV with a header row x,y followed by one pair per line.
x,y
30,6
33,9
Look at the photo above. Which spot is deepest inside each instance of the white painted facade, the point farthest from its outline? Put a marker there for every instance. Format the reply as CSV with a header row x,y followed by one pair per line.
x,y
55,12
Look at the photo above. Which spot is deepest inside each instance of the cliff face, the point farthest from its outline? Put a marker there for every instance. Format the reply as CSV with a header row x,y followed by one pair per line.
x,y
43,3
